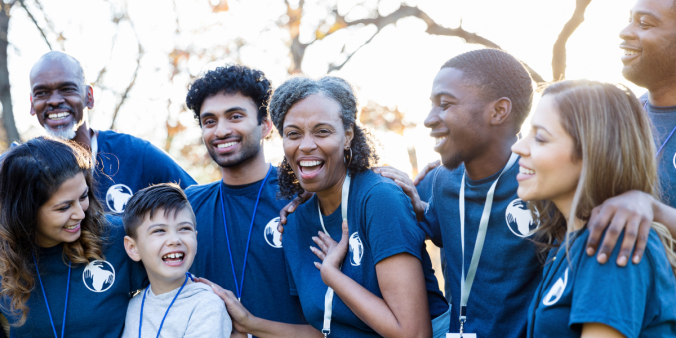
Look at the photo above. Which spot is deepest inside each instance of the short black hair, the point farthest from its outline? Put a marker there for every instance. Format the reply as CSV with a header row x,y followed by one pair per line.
x,y
231,79
497,74
167,196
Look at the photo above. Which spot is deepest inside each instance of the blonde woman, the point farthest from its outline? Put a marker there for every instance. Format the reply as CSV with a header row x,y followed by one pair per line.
x,y
589,142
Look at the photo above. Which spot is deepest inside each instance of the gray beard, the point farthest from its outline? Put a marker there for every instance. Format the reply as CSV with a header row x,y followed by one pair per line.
x,y
66,132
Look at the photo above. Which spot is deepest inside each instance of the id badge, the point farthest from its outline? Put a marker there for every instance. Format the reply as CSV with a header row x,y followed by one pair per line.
x,y
464,335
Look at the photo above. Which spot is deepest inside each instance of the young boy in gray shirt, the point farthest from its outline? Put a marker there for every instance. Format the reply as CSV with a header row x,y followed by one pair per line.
x,y
160,227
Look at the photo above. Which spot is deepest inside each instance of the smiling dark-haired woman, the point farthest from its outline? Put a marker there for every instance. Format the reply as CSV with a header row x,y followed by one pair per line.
x,y
63,267
374,277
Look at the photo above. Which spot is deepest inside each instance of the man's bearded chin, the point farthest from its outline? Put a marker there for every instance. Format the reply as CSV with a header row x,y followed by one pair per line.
x,y
66,132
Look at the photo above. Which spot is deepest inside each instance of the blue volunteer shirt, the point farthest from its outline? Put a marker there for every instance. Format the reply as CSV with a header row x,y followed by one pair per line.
x,y
126,164
382,224
508,271
98,296
266,287
638,300
664,122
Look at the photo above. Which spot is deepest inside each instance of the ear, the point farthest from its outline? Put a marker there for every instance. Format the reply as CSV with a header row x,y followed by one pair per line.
x,y
501,110
33,112
349,135
131,248
89,97
267,127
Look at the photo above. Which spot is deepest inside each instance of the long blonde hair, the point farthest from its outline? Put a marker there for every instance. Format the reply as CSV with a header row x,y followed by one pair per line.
x,y
613,138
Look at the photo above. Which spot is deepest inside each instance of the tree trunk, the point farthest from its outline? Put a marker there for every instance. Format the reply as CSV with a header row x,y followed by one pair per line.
x,y
5,93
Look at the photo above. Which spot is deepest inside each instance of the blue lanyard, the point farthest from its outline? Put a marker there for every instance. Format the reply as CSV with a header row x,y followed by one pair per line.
x,y
645,107
145,292
239,289
63,325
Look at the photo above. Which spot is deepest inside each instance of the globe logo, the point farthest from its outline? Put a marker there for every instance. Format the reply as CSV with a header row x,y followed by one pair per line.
x,y
674,160
272,236
98,276
556,291
356,249
519,218
117,197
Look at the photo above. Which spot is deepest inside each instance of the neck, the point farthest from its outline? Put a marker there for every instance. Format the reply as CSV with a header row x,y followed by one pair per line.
x,y
493,159
329,199
84,135
249,171
564,205
664,96
161,285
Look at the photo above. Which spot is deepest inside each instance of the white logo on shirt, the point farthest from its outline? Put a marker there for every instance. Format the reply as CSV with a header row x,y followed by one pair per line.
x,y
674,160
556,291
117,197
519,219
272,236
98,276
356,249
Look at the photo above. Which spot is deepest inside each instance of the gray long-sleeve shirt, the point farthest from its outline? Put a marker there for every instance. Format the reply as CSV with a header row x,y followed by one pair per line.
x,y
197,312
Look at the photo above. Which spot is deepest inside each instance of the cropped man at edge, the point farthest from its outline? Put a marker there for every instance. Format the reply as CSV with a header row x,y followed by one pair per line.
x,y
60,99
239,245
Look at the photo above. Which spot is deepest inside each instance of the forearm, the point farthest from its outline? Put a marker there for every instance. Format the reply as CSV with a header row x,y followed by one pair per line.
x,y
268,329
665,215
371,309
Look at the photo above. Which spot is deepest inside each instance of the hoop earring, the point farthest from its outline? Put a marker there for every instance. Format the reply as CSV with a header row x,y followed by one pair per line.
x,y
349,160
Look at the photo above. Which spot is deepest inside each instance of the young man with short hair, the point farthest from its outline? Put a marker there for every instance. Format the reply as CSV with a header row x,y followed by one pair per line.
x,y
60,99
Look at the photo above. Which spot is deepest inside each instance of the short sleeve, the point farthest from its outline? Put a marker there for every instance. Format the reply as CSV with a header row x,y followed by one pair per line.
x,y
390,224
159,167
210,319
609,294
430,223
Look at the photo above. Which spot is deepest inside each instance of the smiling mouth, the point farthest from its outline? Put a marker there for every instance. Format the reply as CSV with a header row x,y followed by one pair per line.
x,y
310,167
629,52
58,116
227,144
173,258
440,140
526,171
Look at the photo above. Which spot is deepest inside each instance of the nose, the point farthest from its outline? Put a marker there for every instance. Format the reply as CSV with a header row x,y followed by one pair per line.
x,y
432,118
173,239
79,213
55,99
307,144
627,33
223,130
521,147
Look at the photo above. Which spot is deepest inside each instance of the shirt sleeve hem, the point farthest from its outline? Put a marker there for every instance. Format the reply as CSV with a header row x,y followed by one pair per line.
x,y
394,251
621,326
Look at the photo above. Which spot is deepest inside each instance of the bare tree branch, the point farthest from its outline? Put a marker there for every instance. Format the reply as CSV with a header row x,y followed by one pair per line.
x,y
559,50
36,24
133,78
333,67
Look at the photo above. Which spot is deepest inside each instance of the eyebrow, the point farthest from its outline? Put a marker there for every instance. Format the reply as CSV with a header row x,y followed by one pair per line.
x,y
315,126
233,109
71,201
60,84
537,126
438,94
650,14
154,225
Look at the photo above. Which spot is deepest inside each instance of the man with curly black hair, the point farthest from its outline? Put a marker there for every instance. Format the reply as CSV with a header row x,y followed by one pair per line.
x,y
239,245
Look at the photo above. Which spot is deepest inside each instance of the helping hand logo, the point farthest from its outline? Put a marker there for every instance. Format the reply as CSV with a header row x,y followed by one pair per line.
x,y
519,218
272,236
98,276
117,197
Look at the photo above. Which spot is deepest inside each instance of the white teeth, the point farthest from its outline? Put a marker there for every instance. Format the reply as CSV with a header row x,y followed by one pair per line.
x,y
440,139
226,145
310,163
71,227
630,52
173,255
526,171
58,116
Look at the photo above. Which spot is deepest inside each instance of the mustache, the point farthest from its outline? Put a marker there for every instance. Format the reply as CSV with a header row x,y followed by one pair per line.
x,y
62,106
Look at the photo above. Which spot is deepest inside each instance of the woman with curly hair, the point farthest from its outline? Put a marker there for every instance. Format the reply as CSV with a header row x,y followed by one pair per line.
x,y
375,277
591,141
63,267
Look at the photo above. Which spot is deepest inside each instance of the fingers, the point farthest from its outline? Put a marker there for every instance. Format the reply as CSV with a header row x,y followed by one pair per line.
x,y
346,233
203,281
318,266
320,254
643,233
613,232
630,236
425,170
599,220
320,244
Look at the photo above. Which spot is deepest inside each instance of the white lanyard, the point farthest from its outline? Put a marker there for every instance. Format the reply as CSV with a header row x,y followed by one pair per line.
x,y
328,298
95,149
466,285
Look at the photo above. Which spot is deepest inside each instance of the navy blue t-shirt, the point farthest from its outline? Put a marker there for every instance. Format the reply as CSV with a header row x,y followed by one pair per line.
x,y
638,300
508,271
382,224
126,164
265,290
98,296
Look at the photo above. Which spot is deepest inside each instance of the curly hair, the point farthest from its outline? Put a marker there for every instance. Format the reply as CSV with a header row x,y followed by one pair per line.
x,y
230,79
298,88
498,74
29,175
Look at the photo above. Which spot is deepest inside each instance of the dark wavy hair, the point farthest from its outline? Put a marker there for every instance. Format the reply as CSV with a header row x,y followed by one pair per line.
x,y
230,79
297,88
29,175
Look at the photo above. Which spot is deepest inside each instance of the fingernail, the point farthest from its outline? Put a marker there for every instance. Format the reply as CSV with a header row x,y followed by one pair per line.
x,y
637,259
603,258
590,251
622,261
